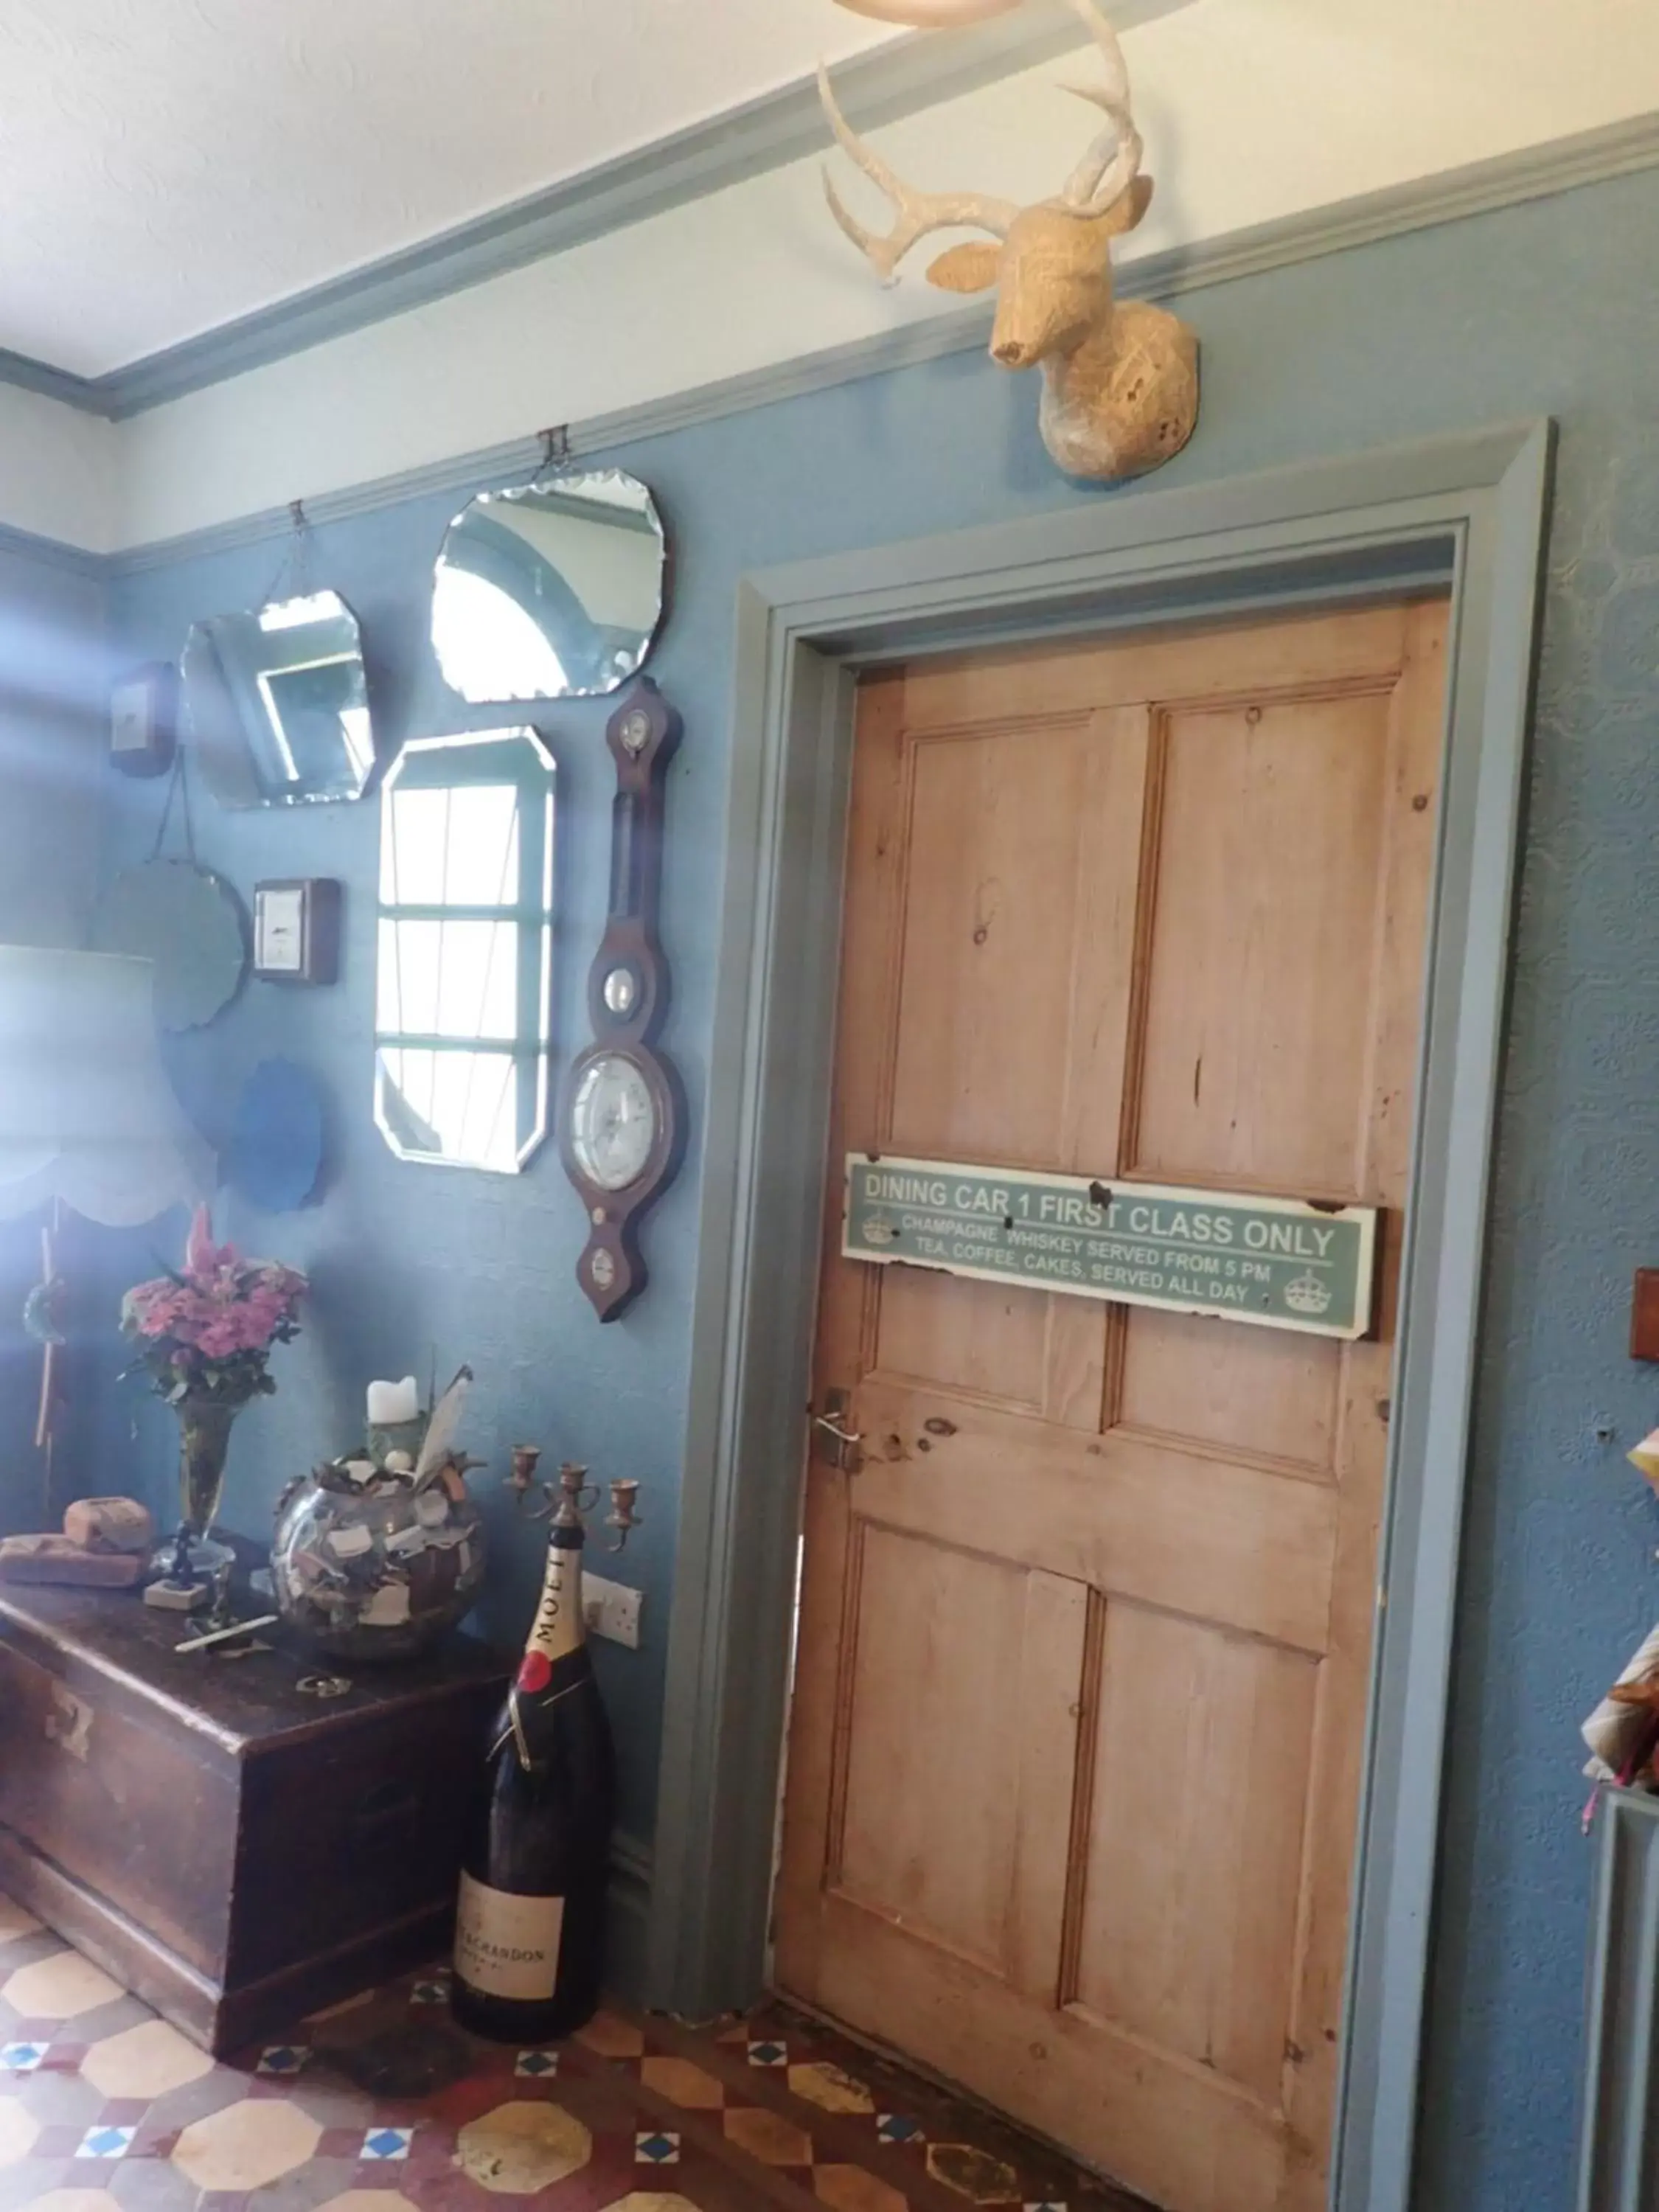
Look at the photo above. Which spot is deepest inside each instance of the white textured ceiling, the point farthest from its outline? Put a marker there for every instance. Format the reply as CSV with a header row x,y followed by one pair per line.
x,y
169,165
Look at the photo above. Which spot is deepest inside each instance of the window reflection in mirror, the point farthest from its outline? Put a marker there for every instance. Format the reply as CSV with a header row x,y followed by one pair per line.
x,y
277,703
463,997
554,591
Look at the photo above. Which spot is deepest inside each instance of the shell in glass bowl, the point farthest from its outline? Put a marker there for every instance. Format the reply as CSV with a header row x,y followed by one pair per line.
x,y
376,1570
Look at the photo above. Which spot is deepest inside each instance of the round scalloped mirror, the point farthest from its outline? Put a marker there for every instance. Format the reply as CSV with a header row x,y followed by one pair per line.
x,y
555,591
191,925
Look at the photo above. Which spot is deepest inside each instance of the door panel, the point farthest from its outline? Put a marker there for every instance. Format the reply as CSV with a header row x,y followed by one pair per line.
x,y
1209,1736
934,1696
1268,823
1020,851
964,1673
1027,1351
1084,1644
1250,1393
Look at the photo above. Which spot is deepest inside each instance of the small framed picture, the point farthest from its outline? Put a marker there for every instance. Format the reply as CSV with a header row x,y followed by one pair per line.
x,y
296,930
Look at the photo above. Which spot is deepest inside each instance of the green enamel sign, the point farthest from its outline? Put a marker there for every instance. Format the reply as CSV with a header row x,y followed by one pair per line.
x,y
1276,1262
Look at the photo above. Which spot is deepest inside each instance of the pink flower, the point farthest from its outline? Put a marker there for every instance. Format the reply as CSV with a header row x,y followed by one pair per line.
x,y
203,1259
219,1318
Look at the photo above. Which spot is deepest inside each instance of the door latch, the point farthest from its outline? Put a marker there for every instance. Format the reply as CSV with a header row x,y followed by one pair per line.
x,y
833,1444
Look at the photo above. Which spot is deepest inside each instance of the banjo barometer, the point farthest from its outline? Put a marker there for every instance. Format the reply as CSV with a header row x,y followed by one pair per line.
x,y
623,1119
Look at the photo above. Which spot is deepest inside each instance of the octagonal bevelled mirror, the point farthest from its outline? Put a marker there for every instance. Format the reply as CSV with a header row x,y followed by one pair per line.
x,y
554,591
277,703
463,1000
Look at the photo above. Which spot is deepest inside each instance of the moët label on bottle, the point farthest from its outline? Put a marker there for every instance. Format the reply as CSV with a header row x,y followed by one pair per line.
x,y
507,1946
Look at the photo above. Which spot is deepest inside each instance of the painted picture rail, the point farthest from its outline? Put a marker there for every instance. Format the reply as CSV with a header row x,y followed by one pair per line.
x,y
1276,1262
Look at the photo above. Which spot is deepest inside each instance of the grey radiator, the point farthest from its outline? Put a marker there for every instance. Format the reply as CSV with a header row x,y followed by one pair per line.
x,y
1618,2141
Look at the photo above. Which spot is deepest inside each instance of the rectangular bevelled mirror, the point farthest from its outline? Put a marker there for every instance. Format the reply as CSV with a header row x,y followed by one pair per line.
x,y
276,704
463,1000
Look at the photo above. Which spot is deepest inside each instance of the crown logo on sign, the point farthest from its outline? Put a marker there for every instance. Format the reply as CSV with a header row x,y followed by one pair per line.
x,y
1307,1294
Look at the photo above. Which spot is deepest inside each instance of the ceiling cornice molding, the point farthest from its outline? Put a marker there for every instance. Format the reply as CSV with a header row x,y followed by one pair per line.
x,y
1482,188
52,553
901,78
26,374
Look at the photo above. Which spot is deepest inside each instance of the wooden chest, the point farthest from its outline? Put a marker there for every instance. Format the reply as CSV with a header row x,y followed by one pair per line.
x,y
235,1851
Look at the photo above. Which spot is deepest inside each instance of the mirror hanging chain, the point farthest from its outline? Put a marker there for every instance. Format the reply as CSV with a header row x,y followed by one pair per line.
x,y
555,454
179,787
294,570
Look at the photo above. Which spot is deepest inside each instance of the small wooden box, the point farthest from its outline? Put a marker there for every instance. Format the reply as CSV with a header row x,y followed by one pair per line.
x,y
235,1852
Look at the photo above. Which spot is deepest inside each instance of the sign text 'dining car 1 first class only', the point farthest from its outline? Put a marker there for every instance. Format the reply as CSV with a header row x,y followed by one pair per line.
x,y
1279,1263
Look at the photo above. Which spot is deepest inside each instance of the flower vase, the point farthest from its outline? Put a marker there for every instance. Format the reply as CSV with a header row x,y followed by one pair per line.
x,y
205,1426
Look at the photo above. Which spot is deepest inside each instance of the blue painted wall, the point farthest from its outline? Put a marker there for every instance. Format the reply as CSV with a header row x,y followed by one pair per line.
x,y
1550,309
53,790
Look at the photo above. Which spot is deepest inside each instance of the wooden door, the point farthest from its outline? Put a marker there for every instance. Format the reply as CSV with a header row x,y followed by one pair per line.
x,y
1084,1644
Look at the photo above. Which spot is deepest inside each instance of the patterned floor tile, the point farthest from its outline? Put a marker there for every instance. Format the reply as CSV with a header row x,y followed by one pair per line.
x,y
386,2146
320,2181
60,2097
19,2131
145,2062
768,2137
368,2200
59,1988
830,2088
106,2142
973,2173
898,2128
683,2084
611,2037
282,2058
246,2145
852,2189
105,2108
519,2148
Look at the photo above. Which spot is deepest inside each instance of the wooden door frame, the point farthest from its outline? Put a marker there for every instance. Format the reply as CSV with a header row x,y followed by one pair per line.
x,y
1465,512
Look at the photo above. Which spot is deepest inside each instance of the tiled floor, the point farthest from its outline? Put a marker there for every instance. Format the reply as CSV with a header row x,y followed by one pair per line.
x,y
382,2106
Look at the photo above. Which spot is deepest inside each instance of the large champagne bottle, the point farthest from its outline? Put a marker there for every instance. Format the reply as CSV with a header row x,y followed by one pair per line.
x,y
529,1928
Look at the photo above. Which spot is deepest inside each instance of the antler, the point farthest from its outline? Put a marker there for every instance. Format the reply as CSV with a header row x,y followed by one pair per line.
x,y
1111,165
932,14
916,214
1107,171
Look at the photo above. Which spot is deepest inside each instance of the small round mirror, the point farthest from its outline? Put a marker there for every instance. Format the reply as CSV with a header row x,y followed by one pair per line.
x,y
190,923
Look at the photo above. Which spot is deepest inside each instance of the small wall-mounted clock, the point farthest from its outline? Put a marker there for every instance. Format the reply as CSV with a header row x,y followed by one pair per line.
x,y
622,1118
296,931
144,719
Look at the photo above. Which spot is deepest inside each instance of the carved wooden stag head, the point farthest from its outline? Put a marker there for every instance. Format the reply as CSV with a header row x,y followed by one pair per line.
x,y
1120,379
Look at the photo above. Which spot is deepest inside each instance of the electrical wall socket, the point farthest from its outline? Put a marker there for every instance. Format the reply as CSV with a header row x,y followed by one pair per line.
x,y
610,1610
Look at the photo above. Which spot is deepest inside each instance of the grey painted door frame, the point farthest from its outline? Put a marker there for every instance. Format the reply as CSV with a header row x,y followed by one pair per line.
x,y
1467,510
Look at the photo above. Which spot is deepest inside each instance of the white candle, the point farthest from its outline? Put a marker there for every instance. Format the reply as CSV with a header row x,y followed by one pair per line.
x,y
391,1402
